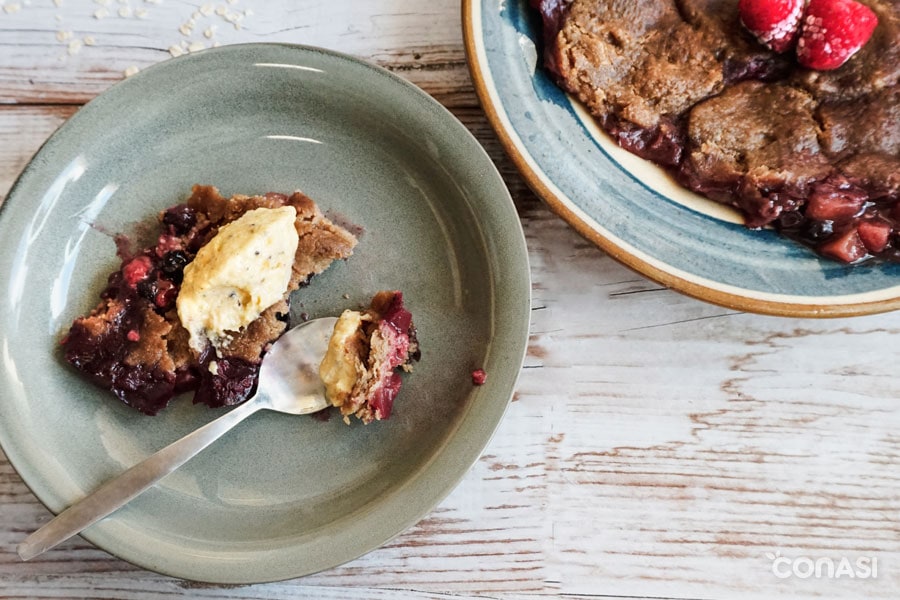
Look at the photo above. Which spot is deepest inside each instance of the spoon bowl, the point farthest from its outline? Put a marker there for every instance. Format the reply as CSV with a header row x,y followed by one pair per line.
x,y
288,382
289,376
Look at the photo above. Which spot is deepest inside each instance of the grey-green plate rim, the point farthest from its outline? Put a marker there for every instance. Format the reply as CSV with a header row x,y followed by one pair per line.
x,y
477,431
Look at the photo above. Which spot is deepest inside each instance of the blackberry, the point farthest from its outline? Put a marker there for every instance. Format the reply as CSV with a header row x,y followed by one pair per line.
x,y
148,288
181,218
173,264
818,230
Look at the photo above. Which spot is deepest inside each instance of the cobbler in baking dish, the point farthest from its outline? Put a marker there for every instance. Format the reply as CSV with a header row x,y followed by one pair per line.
x,y
797,126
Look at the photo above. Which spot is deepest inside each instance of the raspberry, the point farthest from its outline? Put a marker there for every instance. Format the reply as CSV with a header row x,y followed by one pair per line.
x,y
832,32
167,243
136,270
479,377
774,23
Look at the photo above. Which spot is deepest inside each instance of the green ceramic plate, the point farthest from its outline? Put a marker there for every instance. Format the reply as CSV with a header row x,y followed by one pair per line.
x,y
279,496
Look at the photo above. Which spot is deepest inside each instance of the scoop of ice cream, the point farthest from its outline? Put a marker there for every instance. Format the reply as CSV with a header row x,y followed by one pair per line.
x,y
241,272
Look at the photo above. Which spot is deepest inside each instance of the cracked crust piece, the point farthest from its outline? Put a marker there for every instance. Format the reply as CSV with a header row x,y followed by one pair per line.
x,y
750,138
133,343
637,66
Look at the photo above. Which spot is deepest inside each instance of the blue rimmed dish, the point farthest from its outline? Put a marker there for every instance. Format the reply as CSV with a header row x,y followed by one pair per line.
x,y
631,208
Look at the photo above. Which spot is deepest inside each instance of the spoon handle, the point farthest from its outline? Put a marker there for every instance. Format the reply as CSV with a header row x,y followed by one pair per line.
x,y
123,488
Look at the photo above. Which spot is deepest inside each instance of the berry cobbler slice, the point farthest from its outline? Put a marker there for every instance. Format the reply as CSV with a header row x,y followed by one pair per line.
x,y
134,342
366,348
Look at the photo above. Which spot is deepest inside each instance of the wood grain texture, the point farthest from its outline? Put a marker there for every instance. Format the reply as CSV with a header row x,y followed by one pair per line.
x,y
657,447
420,41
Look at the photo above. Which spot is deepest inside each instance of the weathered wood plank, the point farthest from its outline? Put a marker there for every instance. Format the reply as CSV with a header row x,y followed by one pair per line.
x,y
422,43
23,129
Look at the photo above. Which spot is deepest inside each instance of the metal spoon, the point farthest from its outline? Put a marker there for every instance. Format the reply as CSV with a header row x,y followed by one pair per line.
x,y
288,382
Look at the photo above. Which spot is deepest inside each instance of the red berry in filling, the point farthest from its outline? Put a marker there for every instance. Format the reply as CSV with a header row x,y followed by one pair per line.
x,y
397,315
167,243
133,335
832,31
875,234
830,202
479,377
166,294
774,23
846,247
382,400
136,270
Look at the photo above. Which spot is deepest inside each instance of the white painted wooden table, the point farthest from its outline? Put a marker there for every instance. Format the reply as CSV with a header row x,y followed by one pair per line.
x,y
658,447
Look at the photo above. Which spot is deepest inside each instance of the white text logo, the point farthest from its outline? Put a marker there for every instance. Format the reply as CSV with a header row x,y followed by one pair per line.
x,y
804,567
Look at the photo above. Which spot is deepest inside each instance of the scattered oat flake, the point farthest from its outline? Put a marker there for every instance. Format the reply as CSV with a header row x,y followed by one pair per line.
x,y
74,47
101,13
89,40
59,18
221,10
132,70
12,8
216,44
58,2
210,31
176,51
186,29
207,9
125,12
141,13
62,36
196,46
